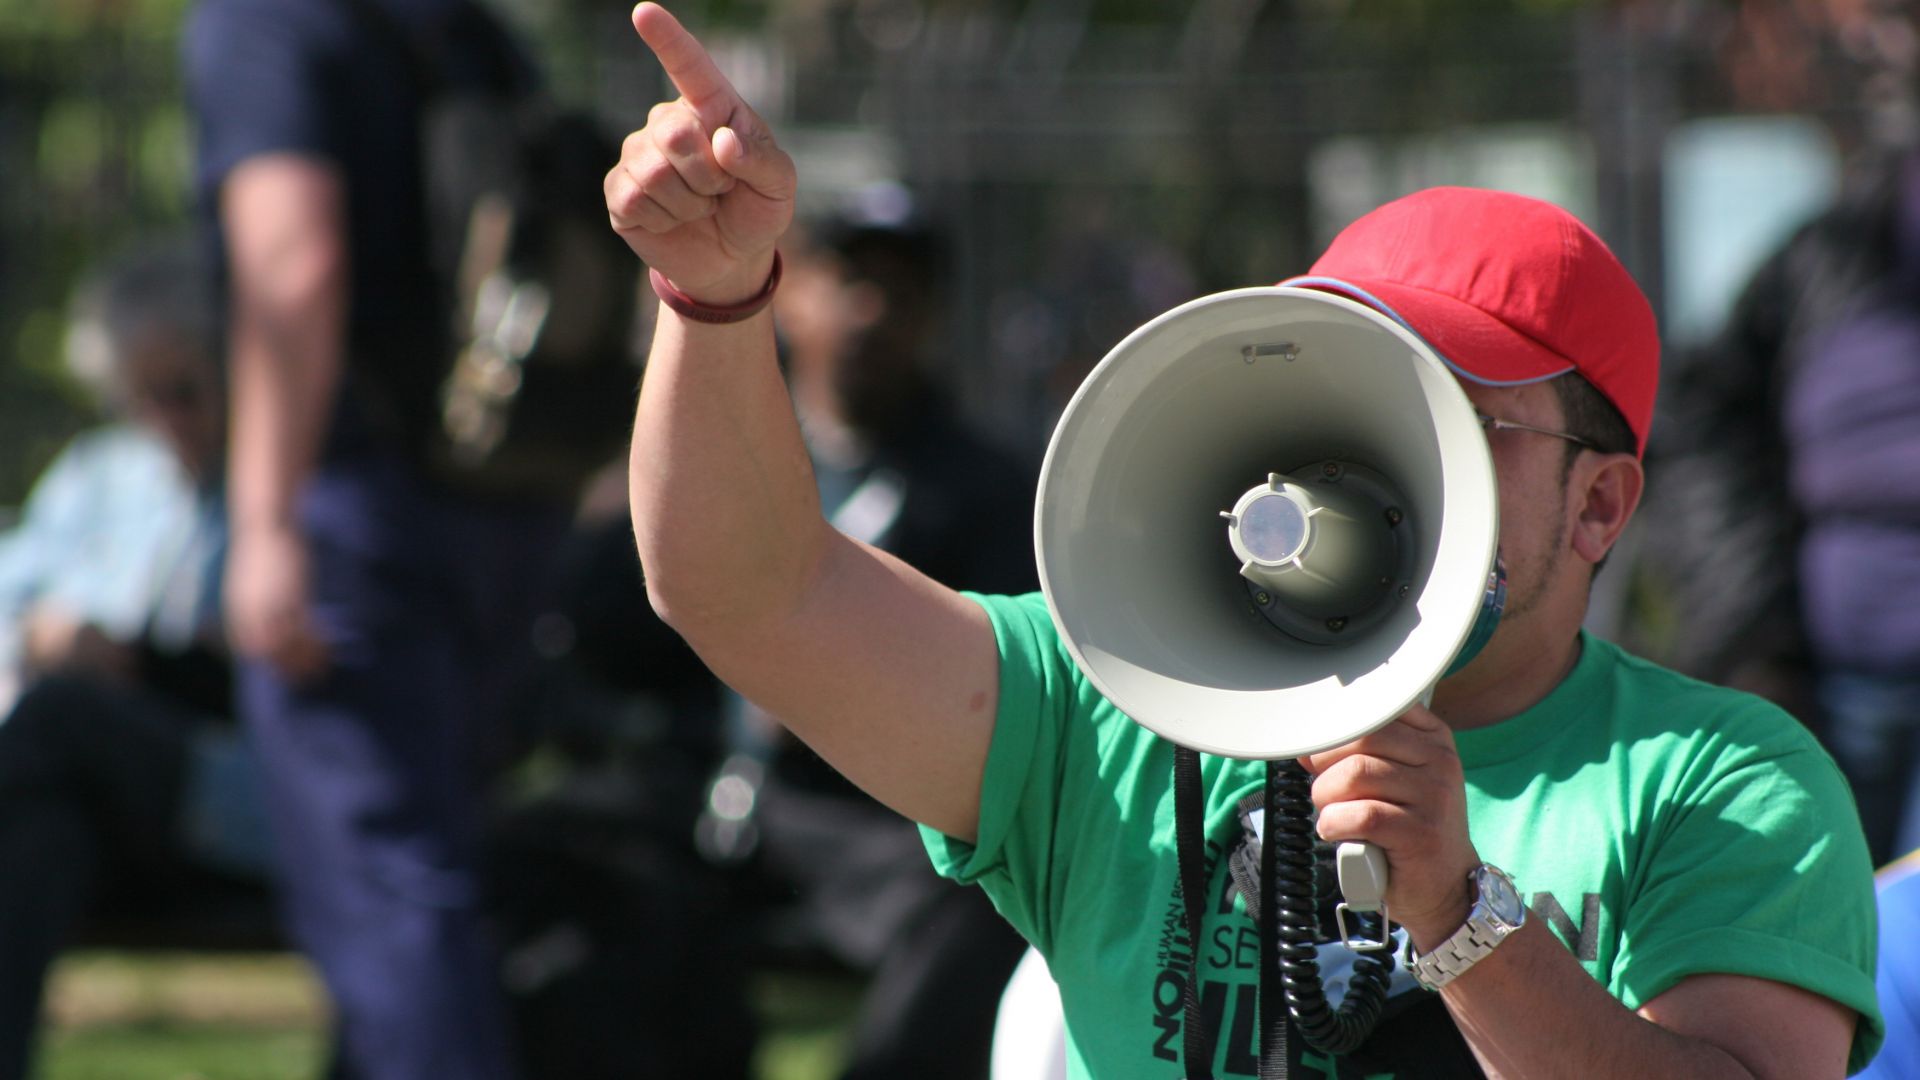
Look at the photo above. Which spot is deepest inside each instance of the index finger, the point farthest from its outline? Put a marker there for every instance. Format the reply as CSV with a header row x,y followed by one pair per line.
x,y
687,63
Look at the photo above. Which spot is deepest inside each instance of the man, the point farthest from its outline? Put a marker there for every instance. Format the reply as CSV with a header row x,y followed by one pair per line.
x,y
1730,909
379,616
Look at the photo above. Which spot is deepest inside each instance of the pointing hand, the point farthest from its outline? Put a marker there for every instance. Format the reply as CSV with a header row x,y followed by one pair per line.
x,y
702,192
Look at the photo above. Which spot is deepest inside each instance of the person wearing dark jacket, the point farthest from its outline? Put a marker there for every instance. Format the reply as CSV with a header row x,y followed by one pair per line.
x,y
1787,477
897,467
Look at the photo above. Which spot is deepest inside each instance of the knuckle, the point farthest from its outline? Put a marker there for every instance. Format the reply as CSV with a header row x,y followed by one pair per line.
x,y
656,176
681,141
708,182
1369,817
623,198
663,114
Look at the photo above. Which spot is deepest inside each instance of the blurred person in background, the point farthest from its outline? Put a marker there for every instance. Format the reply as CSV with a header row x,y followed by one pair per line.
x,y
1898,979
379,616
122,776
688,842
896,467
1786,532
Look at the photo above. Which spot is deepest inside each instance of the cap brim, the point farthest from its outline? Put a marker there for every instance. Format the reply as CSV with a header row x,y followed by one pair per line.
x,y
1474,344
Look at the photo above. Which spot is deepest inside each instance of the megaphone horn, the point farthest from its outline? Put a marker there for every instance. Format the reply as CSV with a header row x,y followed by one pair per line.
x,y
1360,527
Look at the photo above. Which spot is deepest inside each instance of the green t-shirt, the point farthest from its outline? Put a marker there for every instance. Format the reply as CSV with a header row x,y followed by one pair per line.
x,y
1660,826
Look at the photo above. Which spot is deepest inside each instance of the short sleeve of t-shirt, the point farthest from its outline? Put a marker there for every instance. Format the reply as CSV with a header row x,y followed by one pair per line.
x,y
1699,908
1670,828
257,82
1018,795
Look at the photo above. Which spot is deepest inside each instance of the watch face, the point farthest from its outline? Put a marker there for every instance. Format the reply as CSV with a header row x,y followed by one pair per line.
x,y
1501,898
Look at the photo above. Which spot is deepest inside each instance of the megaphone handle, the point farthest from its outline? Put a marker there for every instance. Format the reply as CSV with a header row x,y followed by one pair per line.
x,y
1362,869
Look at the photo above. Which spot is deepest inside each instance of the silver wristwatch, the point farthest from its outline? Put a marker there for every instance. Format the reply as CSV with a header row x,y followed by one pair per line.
x,y
1497,911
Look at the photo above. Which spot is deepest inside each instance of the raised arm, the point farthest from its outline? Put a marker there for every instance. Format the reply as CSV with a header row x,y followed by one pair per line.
x,y
889,676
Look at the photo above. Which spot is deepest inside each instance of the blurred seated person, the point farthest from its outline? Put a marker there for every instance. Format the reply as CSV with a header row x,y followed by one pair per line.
x,y
120,777
692,842
623,952
860,322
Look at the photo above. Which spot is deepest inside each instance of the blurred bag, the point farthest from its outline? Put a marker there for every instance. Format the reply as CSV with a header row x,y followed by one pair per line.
x,y
540,295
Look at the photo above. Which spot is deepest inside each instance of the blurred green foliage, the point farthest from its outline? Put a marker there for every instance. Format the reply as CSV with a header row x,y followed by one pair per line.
x,y
95,145
1209,108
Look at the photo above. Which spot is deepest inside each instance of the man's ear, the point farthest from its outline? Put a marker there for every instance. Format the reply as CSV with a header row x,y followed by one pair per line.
x,y
1605,492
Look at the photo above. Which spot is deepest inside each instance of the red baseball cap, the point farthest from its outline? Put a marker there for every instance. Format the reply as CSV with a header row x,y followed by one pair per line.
x,y
1507,289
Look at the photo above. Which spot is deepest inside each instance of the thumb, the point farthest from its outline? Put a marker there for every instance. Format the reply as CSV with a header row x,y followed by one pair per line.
x,y
749,155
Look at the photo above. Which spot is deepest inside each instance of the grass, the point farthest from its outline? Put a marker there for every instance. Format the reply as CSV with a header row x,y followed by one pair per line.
x,y
186,1016
167,1051
182,1016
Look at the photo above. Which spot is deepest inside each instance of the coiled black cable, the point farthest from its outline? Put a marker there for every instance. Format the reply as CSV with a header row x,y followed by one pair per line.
x,y
1290,830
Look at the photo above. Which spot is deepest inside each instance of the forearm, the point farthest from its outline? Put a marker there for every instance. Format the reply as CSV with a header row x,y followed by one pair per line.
x,y
283,386
1530,1010
287,343
725,510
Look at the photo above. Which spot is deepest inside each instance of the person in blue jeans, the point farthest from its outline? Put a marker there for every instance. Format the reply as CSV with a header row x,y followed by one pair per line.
x,y
380,616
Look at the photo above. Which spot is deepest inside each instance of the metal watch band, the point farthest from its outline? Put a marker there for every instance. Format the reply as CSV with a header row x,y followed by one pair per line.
x,y
1467,947
1497,912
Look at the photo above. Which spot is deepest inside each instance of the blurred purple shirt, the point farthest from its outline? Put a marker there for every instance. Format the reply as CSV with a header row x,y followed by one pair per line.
x,y
1853,425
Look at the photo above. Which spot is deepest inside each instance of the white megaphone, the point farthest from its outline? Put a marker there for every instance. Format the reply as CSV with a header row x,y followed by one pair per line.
x,y
1267,523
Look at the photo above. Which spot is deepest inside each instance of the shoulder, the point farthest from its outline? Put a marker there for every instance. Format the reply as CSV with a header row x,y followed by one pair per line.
x,y
1039,679
1651,701
1686,744
110,451
1027,638
217,27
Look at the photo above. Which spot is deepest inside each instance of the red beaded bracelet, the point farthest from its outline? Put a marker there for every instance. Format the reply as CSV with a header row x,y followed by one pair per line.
x,y
687,307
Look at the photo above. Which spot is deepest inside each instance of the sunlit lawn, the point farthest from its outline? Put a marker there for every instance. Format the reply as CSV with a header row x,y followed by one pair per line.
x,y
172,1016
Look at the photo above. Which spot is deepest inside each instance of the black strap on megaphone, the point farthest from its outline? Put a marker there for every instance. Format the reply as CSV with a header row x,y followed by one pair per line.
x,y
1288,922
